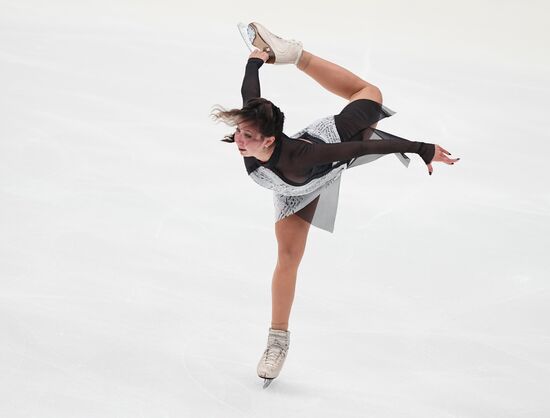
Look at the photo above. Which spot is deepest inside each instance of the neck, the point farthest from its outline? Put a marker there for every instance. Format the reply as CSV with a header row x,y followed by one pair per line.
x,y
264,157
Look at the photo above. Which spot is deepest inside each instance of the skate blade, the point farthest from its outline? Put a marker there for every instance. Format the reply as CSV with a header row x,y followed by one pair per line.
x,y
244,31
267,382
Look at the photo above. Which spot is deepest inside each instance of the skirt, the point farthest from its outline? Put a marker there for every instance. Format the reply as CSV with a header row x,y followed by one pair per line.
x,y
354,123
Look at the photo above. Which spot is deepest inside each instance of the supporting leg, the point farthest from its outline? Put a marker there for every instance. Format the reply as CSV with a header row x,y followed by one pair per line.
x,y
291,235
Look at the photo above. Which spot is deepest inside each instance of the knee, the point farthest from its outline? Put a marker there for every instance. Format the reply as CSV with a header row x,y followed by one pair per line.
x,y
376,94
370,91
289,257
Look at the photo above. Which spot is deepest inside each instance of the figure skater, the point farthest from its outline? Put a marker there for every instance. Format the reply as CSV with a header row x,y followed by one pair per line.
x,y
304,170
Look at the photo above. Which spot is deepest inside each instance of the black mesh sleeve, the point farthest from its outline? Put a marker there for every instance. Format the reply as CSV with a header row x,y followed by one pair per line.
x,y
251,82
314,154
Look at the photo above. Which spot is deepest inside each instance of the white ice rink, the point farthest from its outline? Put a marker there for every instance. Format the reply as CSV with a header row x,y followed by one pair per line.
x,y
136,255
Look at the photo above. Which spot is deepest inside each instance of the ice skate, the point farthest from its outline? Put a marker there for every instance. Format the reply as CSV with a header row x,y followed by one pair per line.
x,y
274,356
281,51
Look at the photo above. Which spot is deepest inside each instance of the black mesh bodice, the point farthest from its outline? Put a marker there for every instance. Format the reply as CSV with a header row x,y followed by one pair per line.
x,y
299,160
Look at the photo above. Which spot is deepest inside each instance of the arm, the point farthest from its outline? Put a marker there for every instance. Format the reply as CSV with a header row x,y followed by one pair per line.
x,y
314,154
251,82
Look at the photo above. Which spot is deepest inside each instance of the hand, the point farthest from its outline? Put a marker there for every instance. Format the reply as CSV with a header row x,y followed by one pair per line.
x,y
259,54
440,156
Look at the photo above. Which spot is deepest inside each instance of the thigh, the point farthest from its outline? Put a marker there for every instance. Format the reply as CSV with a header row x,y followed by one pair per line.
x,y
357,116
291,233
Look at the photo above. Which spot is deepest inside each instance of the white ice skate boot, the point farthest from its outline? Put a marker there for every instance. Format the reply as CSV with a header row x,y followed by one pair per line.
x,y
274,356
281,51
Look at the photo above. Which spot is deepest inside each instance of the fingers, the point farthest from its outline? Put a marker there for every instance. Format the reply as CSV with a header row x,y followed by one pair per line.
x,y
256,53
447,160
444,150
441,151
440,156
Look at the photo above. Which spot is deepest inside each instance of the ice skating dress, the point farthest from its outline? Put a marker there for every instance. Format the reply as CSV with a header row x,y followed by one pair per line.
x,y
304,170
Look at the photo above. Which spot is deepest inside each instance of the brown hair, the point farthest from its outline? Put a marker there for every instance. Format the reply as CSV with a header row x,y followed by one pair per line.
x,y
267,117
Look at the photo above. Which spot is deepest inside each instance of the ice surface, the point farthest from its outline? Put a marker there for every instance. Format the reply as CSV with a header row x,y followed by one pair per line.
x,y
136,256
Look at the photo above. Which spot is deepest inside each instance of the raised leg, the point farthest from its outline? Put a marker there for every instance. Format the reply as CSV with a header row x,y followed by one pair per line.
x,y
337,79
291,233
334,78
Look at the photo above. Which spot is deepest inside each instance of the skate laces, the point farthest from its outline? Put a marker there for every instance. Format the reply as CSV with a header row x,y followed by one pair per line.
x,y
290,41
273,352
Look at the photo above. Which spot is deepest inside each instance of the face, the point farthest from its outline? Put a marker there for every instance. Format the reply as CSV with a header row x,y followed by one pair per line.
x,y
249,140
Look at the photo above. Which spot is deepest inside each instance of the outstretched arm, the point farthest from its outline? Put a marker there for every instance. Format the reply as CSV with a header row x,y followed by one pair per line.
x,y
314,154
251,82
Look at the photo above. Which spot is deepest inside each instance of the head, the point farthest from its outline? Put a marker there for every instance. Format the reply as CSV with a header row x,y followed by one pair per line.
x,y
258,125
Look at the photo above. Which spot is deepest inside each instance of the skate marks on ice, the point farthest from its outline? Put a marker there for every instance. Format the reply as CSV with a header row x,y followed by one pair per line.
x,y
207,359
444,372
224,369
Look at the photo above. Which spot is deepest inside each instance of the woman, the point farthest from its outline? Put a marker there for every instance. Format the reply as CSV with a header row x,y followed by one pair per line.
x,y
304,170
